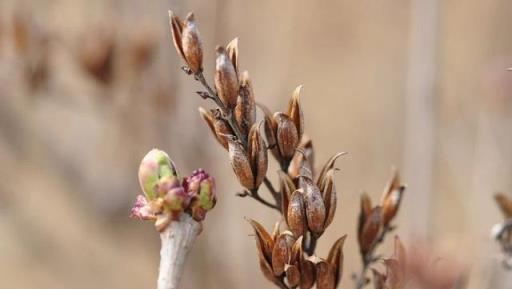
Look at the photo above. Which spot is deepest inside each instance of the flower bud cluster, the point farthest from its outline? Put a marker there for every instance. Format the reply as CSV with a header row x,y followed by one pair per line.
x,y
166,196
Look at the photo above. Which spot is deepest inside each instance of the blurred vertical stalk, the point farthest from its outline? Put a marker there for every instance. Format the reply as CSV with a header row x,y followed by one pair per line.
x,y
419,101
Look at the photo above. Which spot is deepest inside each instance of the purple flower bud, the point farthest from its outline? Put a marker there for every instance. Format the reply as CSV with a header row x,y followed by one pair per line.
x,y
201,187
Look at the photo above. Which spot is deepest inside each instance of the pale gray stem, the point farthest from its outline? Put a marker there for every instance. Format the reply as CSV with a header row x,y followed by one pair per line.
x,y
177,239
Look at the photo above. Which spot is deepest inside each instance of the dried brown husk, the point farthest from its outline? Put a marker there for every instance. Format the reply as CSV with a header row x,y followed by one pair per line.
x,y
191,44
308,274
329,196
245,110
315,208
295,111
226,79
371,230
335,258
177,29
325,276
218,126
364,213
296,214
258,155
271,132
264,241
292,275
240,164
391,199
232,51
287,135
328,166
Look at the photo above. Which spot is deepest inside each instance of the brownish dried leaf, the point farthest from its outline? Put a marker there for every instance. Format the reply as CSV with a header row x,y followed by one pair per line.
x,y
226,80
296,214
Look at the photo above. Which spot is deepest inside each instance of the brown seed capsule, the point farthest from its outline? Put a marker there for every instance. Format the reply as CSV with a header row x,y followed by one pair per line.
x,y
296,217
264,242
257,155
232,51
308,274
292,275
287,135
240,164
505,204
335,258
245,110
371,230
325,276
295,111
391,199
281,253
177,30
296,252
226,80
315,208
191,44
218,126
303,159
270,132
329,196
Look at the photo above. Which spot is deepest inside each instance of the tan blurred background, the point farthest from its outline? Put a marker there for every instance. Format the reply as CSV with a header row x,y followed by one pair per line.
x,y
87,87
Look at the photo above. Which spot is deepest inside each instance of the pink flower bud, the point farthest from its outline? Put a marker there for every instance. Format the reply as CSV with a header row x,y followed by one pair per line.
x,y
201,187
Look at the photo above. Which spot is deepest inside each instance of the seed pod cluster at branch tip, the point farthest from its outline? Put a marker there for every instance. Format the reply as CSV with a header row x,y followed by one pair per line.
x,y
376,221
283,261
166,196
187,41
308,206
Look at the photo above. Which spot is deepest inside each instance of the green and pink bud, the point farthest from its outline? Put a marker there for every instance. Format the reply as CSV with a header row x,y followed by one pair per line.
x,y
201,188
155,166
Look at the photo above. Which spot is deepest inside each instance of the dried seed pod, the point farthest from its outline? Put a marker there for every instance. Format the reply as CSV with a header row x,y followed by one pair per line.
x,y
264,242
315,208
218,126
391,199
240,163
303,160
335,259
258,155
232,51
505,204
379,279
286,188
267,271
245,110
371,230
328,166
287,135
295,111
226,80
325,276
296,252
364,214
308,274
281,253
191,44
329,196
292,275
177,29
296,215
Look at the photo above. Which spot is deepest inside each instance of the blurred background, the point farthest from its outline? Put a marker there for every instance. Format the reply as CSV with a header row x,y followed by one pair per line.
x,y
88,87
